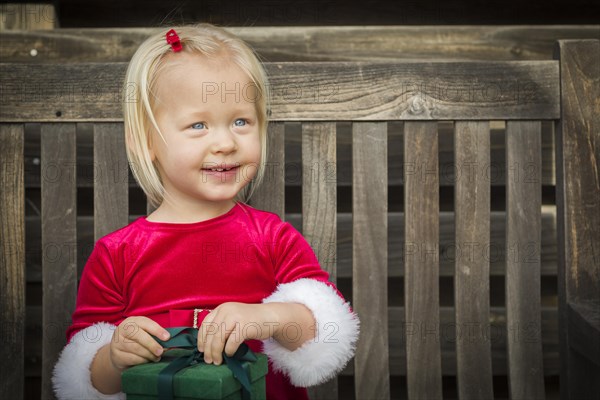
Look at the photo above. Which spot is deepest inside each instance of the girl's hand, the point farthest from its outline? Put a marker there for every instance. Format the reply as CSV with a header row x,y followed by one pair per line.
x,y
228,325
132,343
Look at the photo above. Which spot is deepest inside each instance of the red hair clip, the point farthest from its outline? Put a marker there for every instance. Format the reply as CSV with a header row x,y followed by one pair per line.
x,y
173,40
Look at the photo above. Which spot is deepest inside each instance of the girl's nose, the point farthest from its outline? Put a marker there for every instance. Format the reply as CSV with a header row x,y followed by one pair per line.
x,y
224,141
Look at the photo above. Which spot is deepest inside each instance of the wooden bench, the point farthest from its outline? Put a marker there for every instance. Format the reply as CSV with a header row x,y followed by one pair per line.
x,y
364,125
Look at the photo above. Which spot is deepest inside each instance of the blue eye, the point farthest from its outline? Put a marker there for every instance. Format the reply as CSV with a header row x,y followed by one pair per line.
x,y
198,125
240,122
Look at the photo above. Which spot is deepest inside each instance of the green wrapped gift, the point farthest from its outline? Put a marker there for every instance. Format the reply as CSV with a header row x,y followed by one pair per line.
x,y
181,373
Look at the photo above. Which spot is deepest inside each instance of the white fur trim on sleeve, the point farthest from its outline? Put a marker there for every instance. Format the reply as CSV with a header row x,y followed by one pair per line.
x,y
71,376
323,357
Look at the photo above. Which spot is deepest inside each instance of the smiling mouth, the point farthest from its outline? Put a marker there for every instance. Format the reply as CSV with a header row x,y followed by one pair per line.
x,y
221,169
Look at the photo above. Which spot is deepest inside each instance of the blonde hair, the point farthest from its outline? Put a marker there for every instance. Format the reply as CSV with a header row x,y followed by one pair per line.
x,y
140,83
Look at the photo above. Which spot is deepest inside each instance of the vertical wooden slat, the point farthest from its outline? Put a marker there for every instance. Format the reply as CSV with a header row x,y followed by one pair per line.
x,y
523,244
319,208
59,241
472,262
111,185
12,261
578,212
421,260
369,258
270,195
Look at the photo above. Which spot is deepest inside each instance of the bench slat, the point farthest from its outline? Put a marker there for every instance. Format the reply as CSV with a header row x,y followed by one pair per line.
x,y
421,261
369,258
472,261
319,209
270,195
523,241
111,189
578,205
306,43
59,238
330,91
12,260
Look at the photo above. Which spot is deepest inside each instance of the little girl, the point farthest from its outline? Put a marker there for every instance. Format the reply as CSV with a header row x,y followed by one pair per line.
x,y
195,119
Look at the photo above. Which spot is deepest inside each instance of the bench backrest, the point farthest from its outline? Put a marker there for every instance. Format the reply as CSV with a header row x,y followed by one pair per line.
x,y
413,98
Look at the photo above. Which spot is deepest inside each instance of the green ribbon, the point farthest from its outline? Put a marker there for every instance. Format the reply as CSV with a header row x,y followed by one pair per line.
x,y
187,338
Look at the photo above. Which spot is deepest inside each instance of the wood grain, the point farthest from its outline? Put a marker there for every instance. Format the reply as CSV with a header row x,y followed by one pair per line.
x,y
111,194
270,194
471,279
319,209
330,91
12,260
319,43
523,241
369,258
578,205
59,241
421,261
26,17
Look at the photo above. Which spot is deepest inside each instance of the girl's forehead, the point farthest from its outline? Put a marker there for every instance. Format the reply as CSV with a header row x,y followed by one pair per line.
x,y
188,68
195,60
188,81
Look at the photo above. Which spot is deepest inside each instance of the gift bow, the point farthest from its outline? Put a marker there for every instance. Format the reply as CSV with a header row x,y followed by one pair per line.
x,y
187,338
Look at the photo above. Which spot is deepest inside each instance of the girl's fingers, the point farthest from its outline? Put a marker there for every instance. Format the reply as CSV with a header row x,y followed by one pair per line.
x,y
207,331
233,342
138,331
130,359
144,352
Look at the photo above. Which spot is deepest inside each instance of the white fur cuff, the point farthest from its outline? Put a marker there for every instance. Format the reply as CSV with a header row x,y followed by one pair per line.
x,y
72,377
323,357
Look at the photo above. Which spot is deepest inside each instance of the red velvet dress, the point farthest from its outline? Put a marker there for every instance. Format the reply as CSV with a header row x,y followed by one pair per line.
x,y
165,270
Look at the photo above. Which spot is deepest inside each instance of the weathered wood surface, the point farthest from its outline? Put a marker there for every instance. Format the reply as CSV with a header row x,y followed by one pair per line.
x,y
578,225
472,269
449,170
332,91
59,240
448,248
369,258
270,194
12,260
421,258
23,18
523,247
340,43
111,194
319,209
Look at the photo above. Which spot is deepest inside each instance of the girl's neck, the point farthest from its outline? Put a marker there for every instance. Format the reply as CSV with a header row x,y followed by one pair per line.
x,y
172,214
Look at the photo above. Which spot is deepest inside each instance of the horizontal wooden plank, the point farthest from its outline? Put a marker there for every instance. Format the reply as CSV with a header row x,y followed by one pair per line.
x,y
497,335
448,251
495,171
323,43
328,91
